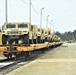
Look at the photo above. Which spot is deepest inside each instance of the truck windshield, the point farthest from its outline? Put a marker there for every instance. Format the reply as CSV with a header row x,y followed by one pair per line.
x,y
10,26
39,30
45,32
22,25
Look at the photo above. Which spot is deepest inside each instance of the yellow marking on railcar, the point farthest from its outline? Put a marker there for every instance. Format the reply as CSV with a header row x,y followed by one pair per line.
x,y
31,47
3,49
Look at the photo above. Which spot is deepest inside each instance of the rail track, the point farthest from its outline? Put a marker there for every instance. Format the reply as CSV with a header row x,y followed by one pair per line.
x,y
5,65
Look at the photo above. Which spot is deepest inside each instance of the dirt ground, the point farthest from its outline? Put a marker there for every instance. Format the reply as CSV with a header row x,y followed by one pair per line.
x,y
66,51
58,61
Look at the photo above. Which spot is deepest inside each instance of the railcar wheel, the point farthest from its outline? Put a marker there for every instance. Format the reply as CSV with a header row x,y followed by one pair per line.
x,y
6,55
27,54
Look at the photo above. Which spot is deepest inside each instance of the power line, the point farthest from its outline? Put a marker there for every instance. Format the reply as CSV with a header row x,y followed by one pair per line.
x,y
32,6
24,2
34,9
37,12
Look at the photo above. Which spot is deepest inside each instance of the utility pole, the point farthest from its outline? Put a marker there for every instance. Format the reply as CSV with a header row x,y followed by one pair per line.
x,y
53,27
47,21
51,24
6,10
41,17
30,11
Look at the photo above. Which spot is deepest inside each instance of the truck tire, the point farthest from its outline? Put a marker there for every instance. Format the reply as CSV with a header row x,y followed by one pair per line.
x,y
39,39
35,41
16,41
31,41
26,39
43,41
46,39
10,41
4,39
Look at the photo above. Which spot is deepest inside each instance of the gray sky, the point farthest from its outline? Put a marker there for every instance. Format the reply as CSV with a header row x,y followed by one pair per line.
x,y
62,12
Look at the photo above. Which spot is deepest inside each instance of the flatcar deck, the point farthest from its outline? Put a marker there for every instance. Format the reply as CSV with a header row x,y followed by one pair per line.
x,y
22,47
26,49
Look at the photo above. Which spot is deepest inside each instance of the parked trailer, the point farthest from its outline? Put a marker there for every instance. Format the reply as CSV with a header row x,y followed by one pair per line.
x,y
25,49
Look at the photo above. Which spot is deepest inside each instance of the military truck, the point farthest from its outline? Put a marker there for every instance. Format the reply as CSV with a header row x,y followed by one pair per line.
x,y
15,31
35,31
56,38
40,35
47,34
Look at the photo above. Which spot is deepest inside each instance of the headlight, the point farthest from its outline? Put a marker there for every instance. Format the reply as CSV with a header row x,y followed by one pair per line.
x,y
24,31
8,32
19,32
3,31
39,34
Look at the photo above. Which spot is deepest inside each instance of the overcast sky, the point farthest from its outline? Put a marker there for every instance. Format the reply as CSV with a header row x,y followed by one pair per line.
x,y
62,12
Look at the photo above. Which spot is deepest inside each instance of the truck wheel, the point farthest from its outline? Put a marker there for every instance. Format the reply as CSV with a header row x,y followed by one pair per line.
x,y
10,41
35,41
43,41
26,39
4,39
31,41
46,39
39,39
16,41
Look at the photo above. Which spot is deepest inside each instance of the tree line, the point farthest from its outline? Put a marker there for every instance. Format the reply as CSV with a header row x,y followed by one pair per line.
x,y
67,36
